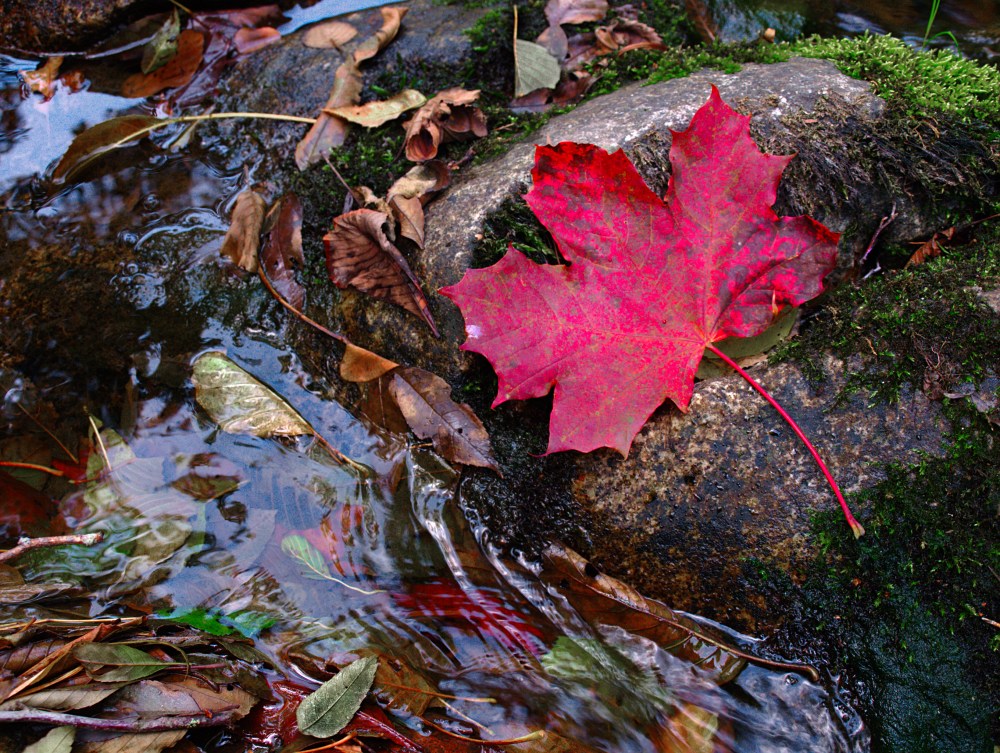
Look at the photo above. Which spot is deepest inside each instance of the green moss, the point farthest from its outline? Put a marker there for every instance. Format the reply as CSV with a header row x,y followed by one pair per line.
x,y
923,326
514,224
930,82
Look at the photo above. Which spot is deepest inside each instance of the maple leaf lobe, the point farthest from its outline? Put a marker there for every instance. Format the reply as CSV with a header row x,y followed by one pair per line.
x,y
650,282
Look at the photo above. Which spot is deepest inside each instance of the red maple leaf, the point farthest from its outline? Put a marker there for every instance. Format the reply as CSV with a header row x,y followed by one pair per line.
x,y
649,283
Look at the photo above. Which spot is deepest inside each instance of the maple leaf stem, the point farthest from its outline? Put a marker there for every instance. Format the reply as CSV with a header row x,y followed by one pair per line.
x,y
856,527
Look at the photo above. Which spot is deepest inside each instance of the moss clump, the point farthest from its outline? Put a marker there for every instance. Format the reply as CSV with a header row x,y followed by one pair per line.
x,y
923,326
930,82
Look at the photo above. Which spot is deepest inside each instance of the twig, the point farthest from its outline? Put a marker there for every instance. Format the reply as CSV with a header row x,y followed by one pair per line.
x,y
25,544
31,467
295,312
164,724
538,734
331,746
339,176
988,621
72,456
881,226
856,527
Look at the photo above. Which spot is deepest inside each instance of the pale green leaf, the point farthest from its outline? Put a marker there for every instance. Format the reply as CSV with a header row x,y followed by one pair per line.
x,y
534,68
114,662
374,114
743,348
328,710
163,45
240,404
309,557
57,740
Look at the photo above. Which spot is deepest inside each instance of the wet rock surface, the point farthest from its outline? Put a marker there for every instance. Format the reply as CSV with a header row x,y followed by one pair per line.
x,y
63,25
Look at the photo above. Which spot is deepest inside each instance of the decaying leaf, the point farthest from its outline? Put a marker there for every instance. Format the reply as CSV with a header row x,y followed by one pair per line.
x,y
603,600
56,740
43,79
282,253
99,139
240,404
361,365
534,68
449,116
710,261
930,248
114,662
242,240
691,729
333,34
329,131
392,17
327,711
163,45
133,742
407,196
374,114
178,71
558,12
454,430
571,89
360,255
251,40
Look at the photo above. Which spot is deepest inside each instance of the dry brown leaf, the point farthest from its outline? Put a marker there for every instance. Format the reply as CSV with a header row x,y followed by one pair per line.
x,y
558,12
700,16
421,181
931,248
332,34
43,79
570,90
409,213
392,17
282,253
177,72
374,114
361,365
455,431
449,116
365,197
329,131
360,255
243,237
250,40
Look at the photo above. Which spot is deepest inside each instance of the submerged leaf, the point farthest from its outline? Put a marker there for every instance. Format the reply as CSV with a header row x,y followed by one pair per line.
x,y
282,253
360,255
455,431
534,68
312,561
115,662
251,40
242,240
360,365
163,45
99,139
328,710
241,404
178,71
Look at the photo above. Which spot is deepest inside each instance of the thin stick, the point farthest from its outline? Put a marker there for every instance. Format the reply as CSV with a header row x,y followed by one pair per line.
x,y
331,746
881,226
165,724
31,467
25,544
48,431
538,734
436,694
856,527
295,312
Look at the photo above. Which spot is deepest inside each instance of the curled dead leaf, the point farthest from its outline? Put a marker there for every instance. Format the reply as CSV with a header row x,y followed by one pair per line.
x,y
421,181
178,71
243,237
43,79
359,254
332,34
449,116
558,12
392,17
330,131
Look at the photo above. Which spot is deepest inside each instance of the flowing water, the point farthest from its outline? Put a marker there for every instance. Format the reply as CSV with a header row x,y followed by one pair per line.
x,y
110,288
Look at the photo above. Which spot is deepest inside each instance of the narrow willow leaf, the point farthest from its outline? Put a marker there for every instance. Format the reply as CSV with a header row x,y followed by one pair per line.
x,y
534,68
163,45
71,698
99,139
240,404
113,662
327,711
58,740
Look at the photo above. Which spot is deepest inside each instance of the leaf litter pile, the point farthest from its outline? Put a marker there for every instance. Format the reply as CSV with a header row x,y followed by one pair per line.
x,y
650,285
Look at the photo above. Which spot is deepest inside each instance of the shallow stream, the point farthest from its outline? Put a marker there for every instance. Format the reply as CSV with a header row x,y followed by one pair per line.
x,y
116,286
